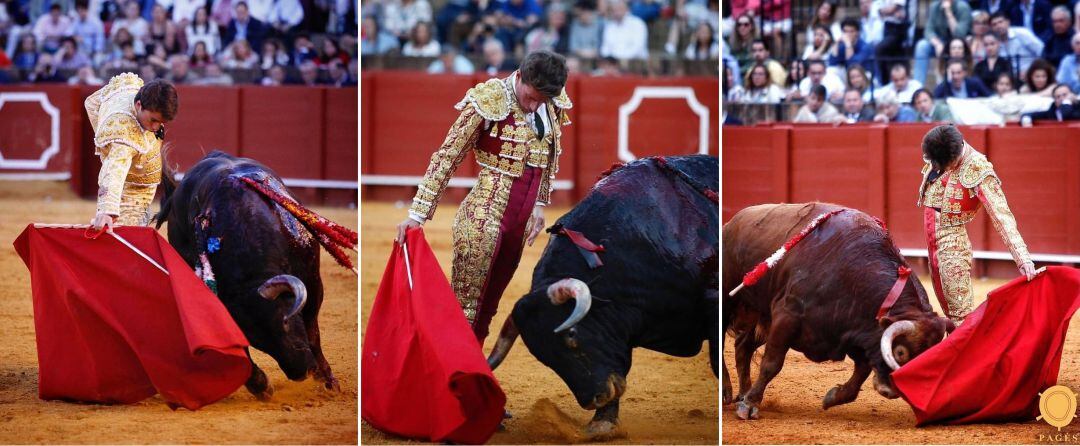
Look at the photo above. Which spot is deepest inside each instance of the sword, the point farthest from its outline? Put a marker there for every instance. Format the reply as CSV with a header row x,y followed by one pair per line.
x,y
408,269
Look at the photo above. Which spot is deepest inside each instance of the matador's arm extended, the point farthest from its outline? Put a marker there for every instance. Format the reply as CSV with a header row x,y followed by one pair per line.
x,y
997,208
444,162
111,178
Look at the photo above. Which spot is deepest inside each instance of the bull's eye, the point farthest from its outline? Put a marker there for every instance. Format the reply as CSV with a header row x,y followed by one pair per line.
x,y
572,332
570,338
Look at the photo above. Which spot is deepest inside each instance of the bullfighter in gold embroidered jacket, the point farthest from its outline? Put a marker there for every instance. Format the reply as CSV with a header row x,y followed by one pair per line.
x,y
951,197
513,127
128,121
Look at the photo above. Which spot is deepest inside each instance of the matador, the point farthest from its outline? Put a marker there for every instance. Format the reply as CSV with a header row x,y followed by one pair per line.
x,y
128,120
513,127
951,196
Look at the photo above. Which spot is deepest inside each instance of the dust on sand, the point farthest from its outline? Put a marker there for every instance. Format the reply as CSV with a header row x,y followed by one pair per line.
x,y
668,400
791,410
299,412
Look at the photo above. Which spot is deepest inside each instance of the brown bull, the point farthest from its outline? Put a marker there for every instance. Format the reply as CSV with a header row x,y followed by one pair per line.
x,y
821,299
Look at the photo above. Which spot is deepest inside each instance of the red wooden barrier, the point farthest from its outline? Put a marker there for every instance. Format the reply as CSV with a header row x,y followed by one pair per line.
x,y
39,126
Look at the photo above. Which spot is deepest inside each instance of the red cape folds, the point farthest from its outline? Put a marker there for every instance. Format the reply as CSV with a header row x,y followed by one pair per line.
x,y
423,374
112,328
993,367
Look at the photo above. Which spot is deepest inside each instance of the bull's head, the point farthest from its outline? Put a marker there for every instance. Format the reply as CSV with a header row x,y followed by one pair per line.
x,y
588,353
280,330
903,340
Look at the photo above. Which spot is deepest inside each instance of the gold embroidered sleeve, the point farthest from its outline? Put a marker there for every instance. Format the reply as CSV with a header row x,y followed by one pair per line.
x,y
93,106
993,199
461,138
114,171
543,195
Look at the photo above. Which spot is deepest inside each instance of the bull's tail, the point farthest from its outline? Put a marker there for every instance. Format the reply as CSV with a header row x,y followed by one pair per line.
x,y
168,187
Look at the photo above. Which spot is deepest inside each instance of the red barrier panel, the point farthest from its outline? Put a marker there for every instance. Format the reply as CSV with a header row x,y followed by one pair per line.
x,y
208,120
40,125
754,167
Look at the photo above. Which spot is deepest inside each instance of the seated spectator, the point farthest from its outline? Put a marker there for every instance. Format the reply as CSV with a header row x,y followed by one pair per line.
x,y
45,71
1058,38
760,54
927,110
957,49
125,59
273,53
87,30
796,73
303,50
585,30
286,15
816,74
132,22
399,17
450,62
275,77
1040,79
214,76
1068,70
238,56
825,18
959,84
732,92
817,109
200,57
857,80
1061,110
944,18
202,29
161,31
51,27
147,73
553,35
704,45
980,28
330,52
338,76
515,17
420,43
625,36
69,57
609,67
851,49
890,110
180,71
374,41
1020,44
745,32
855,110
183,11
244,27
821,46
1031,14
85,76
1006,101
989,69
495,60
309,74
759,89
482,31
122,36
158,58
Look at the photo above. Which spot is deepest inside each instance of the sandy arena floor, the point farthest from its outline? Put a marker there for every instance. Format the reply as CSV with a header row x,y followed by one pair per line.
x,y
791,410
668,400
300,412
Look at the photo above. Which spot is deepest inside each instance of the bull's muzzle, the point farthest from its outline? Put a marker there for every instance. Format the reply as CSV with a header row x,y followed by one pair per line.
x,y
616,386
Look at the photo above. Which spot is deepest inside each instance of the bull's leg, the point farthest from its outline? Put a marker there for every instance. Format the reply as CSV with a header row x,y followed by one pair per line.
x,y
604,420
322,370
257,383
712,299
783,328
846,392
745,346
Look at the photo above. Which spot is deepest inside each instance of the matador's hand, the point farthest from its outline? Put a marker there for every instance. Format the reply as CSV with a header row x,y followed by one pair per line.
x,y
102,220
1028,270
536,224
405,226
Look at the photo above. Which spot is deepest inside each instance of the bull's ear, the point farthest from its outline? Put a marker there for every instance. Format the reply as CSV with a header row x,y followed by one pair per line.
x,y
886,321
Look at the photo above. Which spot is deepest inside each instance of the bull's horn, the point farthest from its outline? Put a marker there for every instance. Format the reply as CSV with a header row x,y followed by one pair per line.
x,y
896,329
507,336
564,289
282,283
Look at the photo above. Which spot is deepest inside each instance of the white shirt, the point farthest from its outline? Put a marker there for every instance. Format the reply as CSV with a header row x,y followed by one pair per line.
x,y
210,36
831,82
627,39
288,11
904,96
185,9
259,9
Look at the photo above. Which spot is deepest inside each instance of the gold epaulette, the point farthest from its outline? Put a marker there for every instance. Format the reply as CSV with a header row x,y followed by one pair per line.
x,y
120,128
490,99
975,169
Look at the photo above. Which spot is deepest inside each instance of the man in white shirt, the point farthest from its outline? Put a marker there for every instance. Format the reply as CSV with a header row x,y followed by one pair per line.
x,y
902,85
816,74
260,9
1017,42
625,36
184,11
873,25
286,14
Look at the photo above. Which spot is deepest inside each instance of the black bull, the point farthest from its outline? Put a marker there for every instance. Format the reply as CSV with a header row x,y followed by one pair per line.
x,y
657,287
821,299
267,266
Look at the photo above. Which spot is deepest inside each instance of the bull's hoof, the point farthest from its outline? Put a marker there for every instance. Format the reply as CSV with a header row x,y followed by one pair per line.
x,y
332,385
603,430
265,394
746,411
830,398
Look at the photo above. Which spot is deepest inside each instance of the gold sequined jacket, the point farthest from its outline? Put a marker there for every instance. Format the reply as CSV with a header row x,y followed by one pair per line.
x,y
958,195
500,134
130,156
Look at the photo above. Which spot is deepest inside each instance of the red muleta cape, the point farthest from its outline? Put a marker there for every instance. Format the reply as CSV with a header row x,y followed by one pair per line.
x,y
993,367
423,374
112,328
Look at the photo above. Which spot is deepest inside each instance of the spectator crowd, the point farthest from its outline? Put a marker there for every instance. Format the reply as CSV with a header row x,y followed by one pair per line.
x,y
467,36
876,62
198,42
